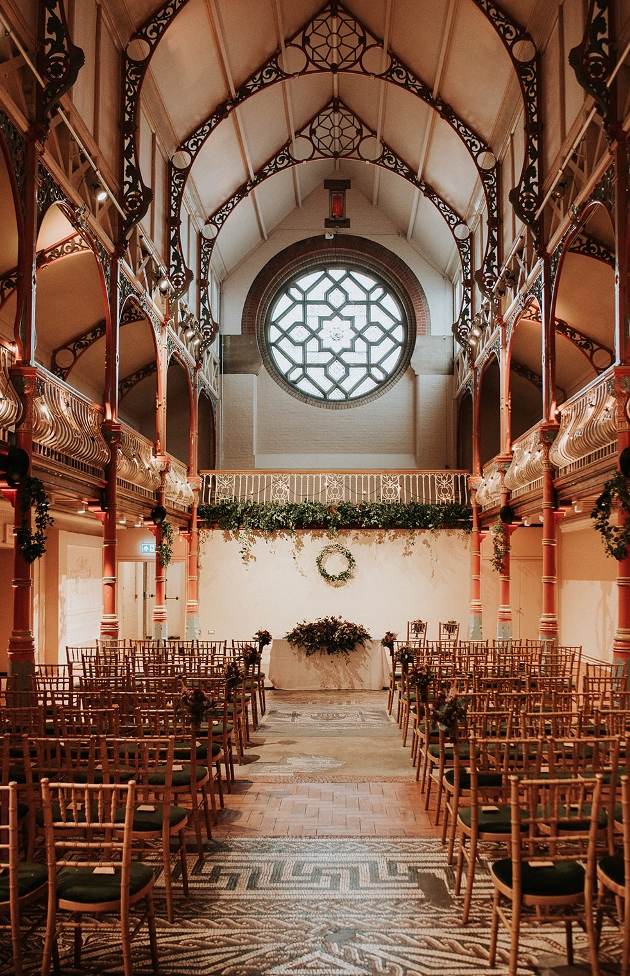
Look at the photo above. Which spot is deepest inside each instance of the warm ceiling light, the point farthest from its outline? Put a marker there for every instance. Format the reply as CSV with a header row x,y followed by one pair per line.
x,y
81,510
163,284
99,191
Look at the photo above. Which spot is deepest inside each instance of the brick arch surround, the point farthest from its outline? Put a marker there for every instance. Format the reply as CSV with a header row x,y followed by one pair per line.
x,y
345,249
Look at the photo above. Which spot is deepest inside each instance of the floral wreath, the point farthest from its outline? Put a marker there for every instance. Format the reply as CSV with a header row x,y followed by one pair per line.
x,y
616,537
348,572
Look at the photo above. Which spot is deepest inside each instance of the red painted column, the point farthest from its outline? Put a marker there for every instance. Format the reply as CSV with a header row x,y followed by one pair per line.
x,y
548,626
160,617
192,582
111,432
621,640
504,612
476,607
24,379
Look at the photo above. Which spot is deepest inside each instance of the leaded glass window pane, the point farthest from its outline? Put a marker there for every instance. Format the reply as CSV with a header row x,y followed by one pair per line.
x,y
336,334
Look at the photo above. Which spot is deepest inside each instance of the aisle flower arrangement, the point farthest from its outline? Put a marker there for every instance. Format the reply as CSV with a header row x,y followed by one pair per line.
x,y
387,640
194,703
448,713
330,634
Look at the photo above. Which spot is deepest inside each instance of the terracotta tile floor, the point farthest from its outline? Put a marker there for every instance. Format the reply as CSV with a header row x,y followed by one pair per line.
x,y
290,808
324,809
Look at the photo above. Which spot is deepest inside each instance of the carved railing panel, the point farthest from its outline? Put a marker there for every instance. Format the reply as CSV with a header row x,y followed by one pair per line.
x,y
527,461
587,428
9,401
137,463
177,488
424,487
489,491
67,426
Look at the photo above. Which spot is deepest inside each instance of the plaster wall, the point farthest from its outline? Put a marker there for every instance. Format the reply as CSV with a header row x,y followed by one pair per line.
x,y
587,599
265,427
279,584
525,586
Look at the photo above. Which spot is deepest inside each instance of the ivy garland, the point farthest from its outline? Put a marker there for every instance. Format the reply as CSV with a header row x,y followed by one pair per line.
x,y
33,545
616,537
500,545
340,578
248,516
164,550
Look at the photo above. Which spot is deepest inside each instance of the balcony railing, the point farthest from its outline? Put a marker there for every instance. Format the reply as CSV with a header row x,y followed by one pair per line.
x,y
425,487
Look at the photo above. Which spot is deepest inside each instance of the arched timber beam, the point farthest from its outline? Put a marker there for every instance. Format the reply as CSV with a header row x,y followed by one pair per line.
x,y
310,50
323,145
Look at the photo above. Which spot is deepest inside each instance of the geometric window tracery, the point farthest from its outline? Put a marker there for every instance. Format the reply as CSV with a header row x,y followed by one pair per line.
x,y
336,335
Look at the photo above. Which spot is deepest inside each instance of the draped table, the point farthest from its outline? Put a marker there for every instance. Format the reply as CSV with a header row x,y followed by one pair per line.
x,y
291,670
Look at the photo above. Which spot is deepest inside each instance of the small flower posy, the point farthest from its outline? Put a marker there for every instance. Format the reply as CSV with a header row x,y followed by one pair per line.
x,y
405,656
448,712
263,637
420,679
193,702
388,640
232,673
251,656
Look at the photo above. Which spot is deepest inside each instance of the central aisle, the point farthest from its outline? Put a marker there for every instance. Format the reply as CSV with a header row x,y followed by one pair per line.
x,y
326,763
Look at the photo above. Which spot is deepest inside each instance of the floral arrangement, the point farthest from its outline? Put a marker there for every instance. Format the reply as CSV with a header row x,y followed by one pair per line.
x,y
420,679
330,634
193,702
448,712
164,549
33,545
616,537
388,640
405,656
500,545
251,656
232,673
263,637
337,579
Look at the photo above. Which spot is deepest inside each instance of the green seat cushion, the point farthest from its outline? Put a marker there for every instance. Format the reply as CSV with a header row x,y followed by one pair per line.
x,y
618,813
490,821
564,878
149,821
218,728
181,777
580,824
30,877
613,869
23,809
83,886
483,779
434,752
123,775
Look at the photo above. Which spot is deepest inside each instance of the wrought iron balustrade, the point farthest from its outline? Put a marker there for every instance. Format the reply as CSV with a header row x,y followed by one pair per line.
x,y
424,487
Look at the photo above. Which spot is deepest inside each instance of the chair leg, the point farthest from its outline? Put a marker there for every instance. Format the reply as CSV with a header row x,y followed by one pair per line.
x,y
152,933
569,933
470,878
183,861
514,937
494,929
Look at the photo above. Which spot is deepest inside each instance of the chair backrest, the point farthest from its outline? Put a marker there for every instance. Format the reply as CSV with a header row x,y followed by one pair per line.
x,y
82,828
9,857
448,630
553,820
416,630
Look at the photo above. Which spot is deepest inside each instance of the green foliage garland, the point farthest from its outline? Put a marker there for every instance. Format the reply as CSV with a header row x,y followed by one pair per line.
x,y
164,549
330,634
500,545
33,545
340,578
616,537
247,516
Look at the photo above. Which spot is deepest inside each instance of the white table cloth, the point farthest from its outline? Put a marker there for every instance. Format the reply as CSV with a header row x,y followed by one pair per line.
x,y
291,670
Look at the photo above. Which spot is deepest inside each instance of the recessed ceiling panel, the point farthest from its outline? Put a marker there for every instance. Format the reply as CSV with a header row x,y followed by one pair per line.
x,y
219,168
187,69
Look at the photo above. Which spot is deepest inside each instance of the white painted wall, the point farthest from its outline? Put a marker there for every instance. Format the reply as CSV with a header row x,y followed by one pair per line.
x,y
411,426
279,585
587,602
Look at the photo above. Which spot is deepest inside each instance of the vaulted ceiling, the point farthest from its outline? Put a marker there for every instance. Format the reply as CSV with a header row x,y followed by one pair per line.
x,y
423,91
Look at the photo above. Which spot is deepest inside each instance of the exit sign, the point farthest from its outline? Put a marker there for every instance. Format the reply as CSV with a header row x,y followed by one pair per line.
x,y
147,547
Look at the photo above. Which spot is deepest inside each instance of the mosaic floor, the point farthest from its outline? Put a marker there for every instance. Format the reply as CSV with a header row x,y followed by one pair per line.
x,y
324,863
312,907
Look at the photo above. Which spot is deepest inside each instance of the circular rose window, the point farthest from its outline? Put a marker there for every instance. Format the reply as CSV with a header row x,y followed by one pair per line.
x,y
336,335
